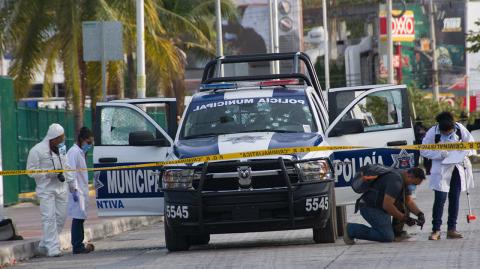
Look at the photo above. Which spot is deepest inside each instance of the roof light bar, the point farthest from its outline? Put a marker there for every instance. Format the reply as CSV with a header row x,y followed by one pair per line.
x,y
217,86
279,82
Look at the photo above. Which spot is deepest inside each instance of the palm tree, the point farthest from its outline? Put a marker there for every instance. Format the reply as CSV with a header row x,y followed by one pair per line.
x,y
182,26
48,32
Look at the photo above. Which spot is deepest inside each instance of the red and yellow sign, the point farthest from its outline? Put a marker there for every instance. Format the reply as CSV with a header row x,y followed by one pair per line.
x,y
403,28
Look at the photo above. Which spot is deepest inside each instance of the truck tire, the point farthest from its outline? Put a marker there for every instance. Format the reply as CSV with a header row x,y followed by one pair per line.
x,y
328,234
175,241
202,239
341,219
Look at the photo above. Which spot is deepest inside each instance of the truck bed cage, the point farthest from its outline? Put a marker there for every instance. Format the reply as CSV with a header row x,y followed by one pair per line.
x,y
311,79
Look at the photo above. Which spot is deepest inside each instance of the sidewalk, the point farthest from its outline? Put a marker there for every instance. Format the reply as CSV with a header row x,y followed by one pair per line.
x,y
26,217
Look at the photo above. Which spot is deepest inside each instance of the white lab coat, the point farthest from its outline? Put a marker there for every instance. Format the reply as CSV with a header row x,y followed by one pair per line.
x,y
441,174
51,193
76,160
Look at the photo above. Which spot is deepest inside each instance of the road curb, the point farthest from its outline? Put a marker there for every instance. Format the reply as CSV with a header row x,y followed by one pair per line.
x,y
14,251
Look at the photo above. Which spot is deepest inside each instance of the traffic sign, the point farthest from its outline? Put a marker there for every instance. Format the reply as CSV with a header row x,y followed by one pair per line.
x,y
102,40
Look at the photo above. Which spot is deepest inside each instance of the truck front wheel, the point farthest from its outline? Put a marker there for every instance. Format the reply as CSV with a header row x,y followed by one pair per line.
x,y
328,234
175,241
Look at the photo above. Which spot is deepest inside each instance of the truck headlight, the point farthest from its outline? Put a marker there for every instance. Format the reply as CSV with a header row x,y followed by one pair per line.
x,y
179,178
315,170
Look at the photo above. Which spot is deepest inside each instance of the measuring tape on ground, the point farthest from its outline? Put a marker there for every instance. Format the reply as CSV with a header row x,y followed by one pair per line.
x,y
252,154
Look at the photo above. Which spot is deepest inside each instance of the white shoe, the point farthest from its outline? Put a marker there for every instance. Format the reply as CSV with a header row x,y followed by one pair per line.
x,y
55,254
41,251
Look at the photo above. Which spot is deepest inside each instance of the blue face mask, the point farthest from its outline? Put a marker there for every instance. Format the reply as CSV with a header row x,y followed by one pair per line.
x,y
448,137
86,148
62,149
412,188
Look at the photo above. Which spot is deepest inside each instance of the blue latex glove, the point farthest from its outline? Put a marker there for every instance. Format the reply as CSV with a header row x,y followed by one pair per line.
x,y
75,196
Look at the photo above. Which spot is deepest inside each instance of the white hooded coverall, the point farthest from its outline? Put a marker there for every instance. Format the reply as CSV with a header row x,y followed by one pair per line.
x,y
51,193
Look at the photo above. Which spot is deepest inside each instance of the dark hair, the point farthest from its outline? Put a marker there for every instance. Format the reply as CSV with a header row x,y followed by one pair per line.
x,y
417,172
446,125
84,134
446,121
445,116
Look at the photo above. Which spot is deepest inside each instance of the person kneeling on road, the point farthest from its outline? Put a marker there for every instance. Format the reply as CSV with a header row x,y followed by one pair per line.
x,y
378,206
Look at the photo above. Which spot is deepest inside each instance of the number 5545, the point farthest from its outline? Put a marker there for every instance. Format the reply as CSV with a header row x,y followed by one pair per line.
x,y
316,203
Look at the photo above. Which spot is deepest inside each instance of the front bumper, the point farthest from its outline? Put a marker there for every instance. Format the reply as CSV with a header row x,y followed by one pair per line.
x,y
296,205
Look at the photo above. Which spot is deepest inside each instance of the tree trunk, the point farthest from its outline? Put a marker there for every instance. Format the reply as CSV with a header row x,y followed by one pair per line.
x,y
83,88
132,79
178,83
179,88
332,33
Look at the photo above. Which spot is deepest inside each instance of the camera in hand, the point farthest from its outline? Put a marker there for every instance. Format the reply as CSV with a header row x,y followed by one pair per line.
x,y
61,177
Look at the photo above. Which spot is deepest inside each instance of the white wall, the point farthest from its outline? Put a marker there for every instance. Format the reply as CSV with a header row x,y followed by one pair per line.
x,y
474,58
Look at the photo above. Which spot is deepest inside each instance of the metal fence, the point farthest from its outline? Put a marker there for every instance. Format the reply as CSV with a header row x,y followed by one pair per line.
x,y
22,127
32,125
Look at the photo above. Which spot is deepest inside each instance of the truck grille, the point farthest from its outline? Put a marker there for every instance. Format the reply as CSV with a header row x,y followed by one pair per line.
x,y
224,176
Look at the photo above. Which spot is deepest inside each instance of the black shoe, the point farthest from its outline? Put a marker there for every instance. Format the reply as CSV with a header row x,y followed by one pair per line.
x,y
81,251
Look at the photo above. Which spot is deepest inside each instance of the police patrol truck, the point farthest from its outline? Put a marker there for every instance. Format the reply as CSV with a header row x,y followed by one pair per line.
x,y
253,109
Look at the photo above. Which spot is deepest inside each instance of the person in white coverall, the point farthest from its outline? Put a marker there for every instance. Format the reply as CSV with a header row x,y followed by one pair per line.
x,y
78,201
52,188
449,177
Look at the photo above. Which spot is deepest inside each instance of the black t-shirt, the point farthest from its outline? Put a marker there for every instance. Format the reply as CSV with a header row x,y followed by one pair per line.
x,y
391,183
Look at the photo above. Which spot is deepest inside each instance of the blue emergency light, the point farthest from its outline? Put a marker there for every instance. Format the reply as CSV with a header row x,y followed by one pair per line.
x,y
217,86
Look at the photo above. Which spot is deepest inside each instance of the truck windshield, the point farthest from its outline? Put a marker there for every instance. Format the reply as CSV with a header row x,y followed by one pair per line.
x,y
266,114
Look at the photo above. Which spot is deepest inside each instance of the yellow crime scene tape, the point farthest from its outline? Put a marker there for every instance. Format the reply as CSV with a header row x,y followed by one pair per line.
x,y
251,154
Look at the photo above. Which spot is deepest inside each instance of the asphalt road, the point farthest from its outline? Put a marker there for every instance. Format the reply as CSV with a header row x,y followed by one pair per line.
x,y
291,249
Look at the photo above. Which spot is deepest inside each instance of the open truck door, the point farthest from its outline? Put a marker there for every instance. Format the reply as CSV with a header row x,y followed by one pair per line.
x,y
129,132
376,117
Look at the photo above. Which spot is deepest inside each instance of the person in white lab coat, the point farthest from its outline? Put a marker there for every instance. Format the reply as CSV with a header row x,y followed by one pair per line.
x,y
448,178
52,188
78,200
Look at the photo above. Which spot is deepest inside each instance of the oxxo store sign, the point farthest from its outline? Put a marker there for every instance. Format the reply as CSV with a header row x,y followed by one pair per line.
x,y
403,28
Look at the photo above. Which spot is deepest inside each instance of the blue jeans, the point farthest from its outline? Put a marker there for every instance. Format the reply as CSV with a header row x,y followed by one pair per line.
x,y
77,234
453,204
380,221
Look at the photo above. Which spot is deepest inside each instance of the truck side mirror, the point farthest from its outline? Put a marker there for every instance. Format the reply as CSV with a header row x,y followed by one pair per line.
x,y
146,138
354,126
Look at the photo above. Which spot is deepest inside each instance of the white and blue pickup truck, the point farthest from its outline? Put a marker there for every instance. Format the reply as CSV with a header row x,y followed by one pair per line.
x,y
252,109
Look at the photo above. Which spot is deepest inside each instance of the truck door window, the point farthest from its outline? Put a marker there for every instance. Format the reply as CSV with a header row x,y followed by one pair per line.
x,y
118,122
378,111
158,112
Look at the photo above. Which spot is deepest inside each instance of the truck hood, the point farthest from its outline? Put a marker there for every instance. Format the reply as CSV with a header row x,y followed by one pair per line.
x,y
230,143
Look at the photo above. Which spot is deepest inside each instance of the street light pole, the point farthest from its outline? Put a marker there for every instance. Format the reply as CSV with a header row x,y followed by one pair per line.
x,y
272,34
326,46
389,43
467,64
276,41
218,14
141,77
433,41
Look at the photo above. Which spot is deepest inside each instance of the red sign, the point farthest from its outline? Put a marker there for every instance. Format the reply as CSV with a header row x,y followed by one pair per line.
x,y
403,28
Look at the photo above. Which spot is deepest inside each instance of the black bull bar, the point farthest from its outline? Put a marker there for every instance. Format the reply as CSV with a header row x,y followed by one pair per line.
x,y
200,197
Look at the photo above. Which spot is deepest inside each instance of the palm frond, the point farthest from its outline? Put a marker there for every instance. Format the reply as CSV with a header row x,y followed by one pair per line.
x,y
52,55
30,30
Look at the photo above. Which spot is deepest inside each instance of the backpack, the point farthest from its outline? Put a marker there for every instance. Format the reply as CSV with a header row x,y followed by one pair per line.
x,y
359,185
8,231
